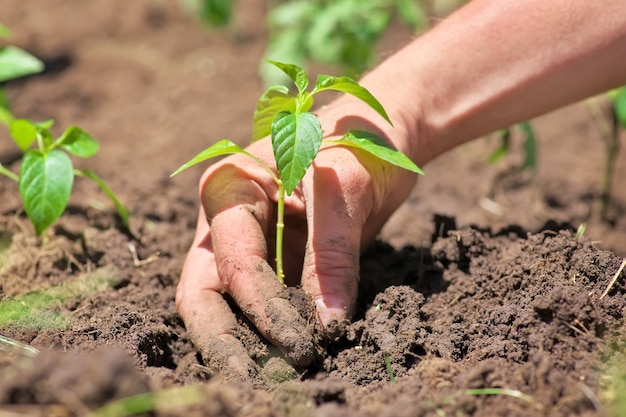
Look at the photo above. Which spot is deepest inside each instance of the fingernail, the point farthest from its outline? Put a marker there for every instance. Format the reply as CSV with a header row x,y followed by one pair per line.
x,y
329,310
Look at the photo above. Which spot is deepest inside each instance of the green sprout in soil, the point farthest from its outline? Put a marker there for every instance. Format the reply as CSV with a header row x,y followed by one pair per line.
x,y
610,130
46,174
296,136
392,377
529,146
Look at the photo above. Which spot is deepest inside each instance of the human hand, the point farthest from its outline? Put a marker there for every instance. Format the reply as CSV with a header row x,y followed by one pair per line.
x,y
338,209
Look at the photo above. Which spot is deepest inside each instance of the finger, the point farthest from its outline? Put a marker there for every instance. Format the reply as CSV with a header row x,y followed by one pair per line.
x,y
238,210
207,316
338,203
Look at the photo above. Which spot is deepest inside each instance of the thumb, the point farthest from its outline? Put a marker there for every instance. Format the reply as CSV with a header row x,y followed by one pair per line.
x,y
337,205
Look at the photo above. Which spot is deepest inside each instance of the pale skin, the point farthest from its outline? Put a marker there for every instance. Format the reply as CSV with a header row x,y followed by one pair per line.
x,y
488,66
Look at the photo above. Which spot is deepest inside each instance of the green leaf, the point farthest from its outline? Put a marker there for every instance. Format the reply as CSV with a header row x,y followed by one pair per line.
x,y
296,73
15,62
5,116
223,147
45,125
78,142
530,145
23,132
350,86
503,149
4,101
45,186
273,101
620,105
121,210
379,148
216,12
296,139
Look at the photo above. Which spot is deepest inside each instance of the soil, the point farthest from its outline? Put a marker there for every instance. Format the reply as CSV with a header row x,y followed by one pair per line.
x,y
479,280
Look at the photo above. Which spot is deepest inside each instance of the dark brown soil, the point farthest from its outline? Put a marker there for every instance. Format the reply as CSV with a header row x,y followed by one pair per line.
x,y
478,281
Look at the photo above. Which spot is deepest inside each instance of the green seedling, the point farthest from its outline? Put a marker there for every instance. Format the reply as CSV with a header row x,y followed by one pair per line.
x,y
392,377
46,174
529,146
610,131
296,136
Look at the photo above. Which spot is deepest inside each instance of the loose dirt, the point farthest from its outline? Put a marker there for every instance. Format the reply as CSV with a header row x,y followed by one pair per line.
x,y
479,281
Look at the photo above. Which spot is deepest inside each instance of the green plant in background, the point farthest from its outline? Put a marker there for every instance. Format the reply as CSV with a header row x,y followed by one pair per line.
x,y
610,131
296,136
618,123
340,33
215,13
46,173
337,32
14,63
529,146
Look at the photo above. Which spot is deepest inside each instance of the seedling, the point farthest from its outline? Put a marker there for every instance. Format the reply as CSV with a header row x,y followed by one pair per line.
x,y
529,145
47,174
296,136
392,377
611,133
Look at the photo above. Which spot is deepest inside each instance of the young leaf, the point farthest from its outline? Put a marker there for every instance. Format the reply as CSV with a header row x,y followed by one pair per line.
x,y
223,147
530,145
503,149
14,63
121,210
294,72
350,86
45,185
273,101
378,147
78,142
23,132
296,139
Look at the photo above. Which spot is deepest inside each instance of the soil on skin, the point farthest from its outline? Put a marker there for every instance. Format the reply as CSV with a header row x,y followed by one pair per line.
x,y
478,281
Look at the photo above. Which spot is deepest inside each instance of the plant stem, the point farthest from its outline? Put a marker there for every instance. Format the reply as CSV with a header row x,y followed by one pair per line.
x,y
609,167
8,173
280,227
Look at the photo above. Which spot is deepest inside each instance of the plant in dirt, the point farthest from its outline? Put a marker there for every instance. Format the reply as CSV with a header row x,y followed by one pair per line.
x,y
529,146
610,131
46,173
296,136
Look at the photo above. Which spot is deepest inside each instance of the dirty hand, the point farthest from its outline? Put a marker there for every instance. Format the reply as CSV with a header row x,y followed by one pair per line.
x,y
336,211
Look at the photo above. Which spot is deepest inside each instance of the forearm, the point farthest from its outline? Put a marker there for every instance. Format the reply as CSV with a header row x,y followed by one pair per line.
x,y
495,63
